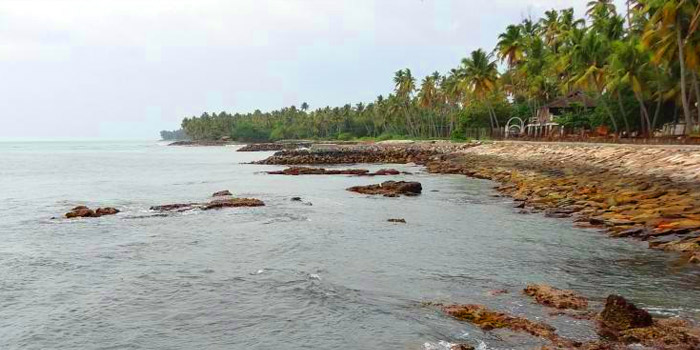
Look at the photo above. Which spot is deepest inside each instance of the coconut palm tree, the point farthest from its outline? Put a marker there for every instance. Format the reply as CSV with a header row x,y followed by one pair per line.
x,y
510,45
669,35
479,78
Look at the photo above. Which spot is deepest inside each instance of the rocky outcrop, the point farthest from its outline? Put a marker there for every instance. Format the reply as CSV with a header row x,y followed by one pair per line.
x,y
85,212
390,189
621,315
366,153
556,298
214,204
268,147
619,325
295,171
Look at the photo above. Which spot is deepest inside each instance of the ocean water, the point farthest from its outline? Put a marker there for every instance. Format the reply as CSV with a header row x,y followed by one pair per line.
x,y
334,274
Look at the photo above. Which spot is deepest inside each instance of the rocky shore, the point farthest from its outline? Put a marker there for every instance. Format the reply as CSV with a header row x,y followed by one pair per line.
x,y
296,171
267,147
651,193
622,190
619,325
419,152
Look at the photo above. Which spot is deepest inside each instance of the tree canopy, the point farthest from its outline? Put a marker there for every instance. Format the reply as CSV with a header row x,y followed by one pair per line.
x,y
640,65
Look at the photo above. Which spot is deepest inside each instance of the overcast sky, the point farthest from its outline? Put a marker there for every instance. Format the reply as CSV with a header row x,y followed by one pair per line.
x,y
125,69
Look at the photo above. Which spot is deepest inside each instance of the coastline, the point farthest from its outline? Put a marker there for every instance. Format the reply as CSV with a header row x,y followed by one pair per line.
x,y
650,193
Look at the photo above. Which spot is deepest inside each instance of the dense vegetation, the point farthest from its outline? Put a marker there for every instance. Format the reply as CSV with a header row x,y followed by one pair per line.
x,y
641,68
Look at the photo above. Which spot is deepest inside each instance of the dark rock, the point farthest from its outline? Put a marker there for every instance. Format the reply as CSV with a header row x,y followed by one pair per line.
x,y
382,172
82,211
106,211
401,221
620,315
390,189
296,199
233,203
223,193
171,207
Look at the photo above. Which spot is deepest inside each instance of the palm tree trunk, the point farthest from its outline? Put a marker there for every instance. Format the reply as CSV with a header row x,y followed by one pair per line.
x,y
684,96
644,115
697,92
656,113
624,113
612,117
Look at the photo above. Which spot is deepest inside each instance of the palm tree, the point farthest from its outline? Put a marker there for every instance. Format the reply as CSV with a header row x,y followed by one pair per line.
x,y
510,45
671,26
479,78
629,66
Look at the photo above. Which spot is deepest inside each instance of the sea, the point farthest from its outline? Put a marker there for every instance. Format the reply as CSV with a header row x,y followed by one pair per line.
x,y
327,272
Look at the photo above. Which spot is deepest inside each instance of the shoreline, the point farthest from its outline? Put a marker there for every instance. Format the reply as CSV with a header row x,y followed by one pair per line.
x,y
647,193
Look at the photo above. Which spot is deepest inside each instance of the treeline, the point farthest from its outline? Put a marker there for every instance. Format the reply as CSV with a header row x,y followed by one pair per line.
x,y
174,135
640,66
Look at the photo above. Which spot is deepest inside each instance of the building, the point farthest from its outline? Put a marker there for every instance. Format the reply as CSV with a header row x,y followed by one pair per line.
x,y
545,125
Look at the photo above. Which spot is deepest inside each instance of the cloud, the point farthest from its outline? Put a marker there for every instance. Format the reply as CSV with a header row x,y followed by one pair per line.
x,y
91,68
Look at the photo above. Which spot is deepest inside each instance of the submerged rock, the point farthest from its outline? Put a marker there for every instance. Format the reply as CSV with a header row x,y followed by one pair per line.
x,y
400,221
557,298
390,189
223,193
299,170
214,204
486,319
294,171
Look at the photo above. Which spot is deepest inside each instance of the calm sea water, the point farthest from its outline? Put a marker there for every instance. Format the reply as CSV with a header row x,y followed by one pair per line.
x,y
288,275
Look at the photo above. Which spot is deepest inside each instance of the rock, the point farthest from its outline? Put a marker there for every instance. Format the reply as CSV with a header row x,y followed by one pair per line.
x,y
214,204
390,189
223,193
489,320
298,170
200,143
497,292
172,207
663,334
82,211
233,203
620,315
106,211
461,347
382,172
296,199
557,298
400,221
267,147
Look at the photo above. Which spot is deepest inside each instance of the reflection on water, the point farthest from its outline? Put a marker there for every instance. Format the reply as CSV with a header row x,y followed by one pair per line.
x,y
288,275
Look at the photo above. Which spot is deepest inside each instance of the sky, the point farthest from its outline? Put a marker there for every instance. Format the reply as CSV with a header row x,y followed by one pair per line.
x,y
126,69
